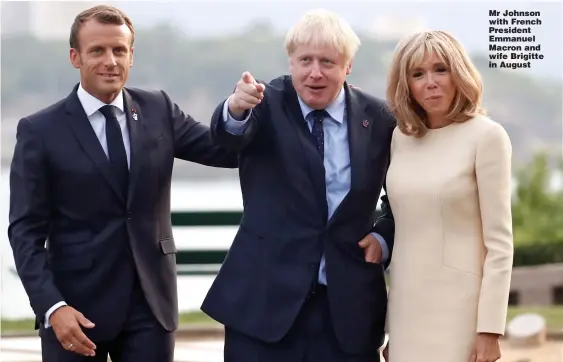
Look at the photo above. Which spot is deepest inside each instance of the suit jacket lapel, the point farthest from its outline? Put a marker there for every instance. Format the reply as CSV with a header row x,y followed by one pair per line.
x,y
359,132
316,165
83,131
358,142
135,123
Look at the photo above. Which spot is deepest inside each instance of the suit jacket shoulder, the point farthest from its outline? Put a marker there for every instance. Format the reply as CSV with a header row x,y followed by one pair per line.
x,y
281,83
277,88
146,95
44,117
376,105
151,98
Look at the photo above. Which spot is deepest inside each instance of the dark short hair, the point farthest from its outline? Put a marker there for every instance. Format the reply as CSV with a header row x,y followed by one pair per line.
x,y
104,14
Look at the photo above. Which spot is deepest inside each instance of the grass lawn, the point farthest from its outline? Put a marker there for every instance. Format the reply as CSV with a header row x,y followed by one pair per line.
x,y
552,315
194,318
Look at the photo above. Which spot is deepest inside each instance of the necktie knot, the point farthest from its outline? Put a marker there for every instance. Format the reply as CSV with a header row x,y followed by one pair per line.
x,y
108,111
319,115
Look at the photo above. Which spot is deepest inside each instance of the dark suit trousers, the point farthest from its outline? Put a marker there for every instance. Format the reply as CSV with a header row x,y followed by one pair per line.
x,y
310,339
142,339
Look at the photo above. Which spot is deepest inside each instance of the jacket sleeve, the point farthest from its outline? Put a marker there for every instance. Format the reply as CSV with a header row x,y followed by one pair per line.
x,y
493,173
29,218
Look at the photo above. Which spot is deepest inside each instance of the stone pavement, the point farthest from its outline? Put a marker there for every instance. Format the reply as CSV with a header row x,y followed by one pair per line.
x,y
551,351
27,349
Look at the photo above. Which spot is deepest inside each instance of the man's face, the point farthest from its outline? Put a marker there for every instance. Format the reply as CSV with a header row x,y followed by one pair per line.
x,y
104,57
318,74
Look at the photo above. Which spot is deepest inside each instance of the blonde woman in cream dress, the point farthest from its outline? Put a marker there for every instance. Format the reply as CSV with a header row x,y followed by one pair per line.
x,y
449,188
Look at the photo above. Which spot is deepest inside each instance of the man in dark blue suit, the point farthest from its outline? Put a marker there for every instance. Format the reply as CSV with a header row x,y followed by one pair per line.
x,y
304,277
91,176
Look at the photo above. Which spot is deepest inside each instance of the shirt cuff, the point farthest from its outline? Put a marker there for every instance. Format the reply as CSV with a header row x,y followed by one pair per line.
x,y
232,125
50,311
384,247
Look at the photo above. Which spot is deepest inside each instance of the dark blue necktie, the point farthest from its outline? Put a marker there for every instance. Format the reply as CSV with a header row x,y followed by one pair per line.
x,y
317,130
116,147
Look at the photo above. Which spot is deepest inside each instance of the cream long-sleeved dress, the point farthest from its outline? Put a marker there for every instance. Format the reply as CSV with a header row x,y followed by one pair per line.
x,y
452,259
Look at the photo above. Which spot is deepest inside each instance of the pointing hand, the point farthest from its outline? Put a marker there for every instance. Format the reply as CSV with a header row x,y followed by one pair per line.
x,y
248,93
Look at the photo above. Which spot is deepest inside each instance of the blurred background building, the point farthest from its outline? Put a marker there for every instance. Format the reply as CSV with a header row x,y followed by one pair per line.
x,y
44,20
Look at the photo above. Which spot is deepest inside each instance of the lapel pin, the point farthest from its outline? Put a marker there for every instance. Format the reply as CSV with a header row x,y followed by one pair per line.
x,y
134,114
365,123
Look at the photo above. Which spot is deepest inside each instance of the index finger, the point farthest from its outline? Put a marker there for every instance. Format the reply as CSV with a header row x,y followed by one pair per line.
x,y
248,78
251,90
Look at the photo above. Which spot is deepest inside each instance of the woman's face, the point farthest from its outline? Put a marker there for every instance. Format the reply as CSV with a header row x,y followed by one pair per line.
x,y
432,87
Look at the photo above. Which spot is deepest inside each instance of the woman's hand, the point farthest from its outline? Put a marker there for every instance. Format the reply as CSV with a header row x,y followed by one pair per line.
x,y
385,352
486,348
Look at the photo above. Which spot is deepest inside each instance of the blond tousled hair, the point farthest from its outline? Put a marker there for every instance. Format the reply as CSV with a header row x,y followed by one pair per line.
x,y
410,53
319,28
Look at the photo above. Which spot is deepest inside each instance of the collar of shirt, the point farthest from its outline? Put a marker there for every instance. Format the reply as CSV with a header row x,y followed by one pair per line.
x,y
335,109
91,104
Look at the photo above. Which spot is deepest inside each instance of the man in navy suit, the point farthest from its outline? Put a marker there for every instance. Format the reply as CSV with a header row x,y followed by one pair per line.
x,y
91,177
304,277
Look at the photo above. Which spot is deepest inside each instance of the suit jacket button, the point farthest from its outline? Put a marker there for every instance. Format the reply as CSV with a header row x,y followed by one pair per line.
x,y
129,215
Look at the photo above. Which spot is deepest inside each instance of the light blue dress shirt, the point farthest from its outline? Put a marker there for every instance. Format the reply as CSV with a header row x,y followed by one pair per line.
x,y
336,159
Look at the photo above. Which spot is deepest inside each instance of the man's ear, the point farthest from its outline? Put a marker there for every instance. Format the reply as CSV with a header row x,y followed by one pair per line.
x,y
349,67
74,56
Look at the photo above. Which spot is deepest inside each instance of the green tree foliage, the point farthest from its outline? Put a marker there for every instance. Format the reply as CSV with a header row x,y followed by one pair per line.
x,y
538,206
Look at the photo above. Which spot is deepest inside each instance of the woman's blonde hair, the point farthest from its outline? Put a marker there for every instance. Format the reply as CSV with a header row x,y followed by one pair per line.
x,y
410,53
320,28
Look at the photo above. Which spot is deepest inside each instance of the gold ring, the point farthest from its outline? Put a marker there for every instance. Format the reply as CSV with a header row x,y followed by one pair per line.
x,y
70,346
